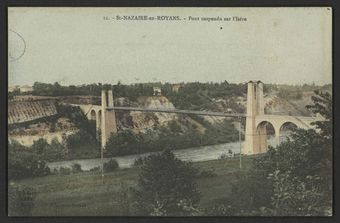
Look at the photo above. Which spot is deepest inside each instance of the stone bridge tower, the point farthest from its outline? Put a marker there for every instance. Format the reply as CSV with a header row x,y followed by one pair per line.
x,y
255,140
108,120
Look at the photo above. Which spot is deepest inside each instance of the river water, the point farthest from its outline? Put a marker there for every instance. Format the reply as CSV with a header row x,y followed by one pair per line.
x,y
195,154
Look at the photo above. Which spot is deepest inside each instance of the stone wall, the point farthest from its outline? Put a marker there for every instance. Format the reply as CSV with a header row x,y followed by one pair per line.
x,y
23,111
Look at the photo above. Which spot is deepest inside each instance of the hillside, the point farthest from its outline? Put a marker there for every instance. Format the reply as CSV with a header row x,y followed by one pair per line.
x,y
31,111
24,111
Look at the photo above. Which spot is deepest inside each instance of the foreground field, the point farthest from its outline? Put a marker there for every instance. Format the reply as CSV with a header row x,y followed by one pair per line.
x,y
85,194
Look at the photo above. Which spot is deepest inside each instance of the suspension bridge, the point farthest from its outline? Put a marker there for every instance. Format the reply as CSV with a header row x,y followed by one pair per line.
x,y
256,127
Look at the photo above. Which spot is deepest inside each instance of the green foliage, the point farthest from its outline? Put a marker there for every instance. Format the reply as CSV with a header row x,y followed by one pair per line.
x,y
163,184
139,161
49,152
127,142
200,119
322,104
295,178
78,118
82,145
220,133
65,170
76,168
119,90
289,94
174,127
295,196
295,89
199,96
23,163
20,200
111,165
191,95
95,169
13,93
31,161
86,186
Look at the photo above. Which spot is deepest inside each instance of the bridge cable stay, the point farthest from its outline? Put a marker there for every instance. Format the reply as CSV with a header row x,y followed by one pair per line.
x,y
204,113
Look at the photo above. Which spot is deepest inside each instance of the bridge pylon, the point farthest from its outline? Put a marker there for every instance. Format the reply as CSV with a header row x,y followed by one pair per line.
x,y
108,120
255,141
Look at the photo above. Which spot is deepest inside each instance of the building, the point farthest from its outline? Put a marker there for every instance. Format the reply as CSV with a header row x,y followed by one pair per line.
x,y
157,91
176,87
24,88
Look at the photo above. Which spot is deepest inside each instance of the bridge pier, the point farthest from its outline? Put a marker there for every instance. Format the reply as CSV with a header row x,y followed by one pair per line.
x,y
262,135
255,138
277,134
257,121
108,117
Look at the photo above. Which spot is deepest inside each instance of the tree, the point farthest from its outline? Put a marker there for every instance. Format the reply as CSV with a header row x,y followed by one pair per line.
x,y
164,185
295,196
322,104
24,163
49,152
294,178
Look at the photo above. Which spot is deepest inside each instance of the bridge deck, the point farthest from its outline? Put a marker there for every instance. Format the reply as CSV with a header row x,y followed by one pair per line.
x,y
177,111
204,113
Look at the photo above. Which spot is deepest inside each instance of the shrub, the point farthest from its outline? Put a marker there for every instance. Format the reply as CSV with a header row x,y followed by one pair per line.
x,y
95,169
111,165
139,161
223,156
82,145
64,170
76,168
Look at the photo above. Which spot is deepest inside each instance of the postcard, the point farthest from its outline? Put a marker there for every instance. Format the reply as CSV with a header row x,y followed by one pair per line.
x,y
170,111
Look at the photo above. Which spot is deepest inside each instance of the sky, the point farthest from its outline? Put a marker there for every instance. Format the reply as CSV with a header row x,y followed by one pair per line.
x,y
76,46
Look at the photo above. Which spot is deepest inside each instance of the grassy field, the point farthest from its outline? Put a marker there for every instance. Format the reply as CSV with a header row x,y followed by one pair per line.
x,y
86,194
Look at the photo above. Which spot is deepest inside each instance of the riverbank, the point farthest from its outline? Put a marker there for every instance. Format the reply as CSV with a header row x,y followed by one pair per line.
x,y
85,194
195,154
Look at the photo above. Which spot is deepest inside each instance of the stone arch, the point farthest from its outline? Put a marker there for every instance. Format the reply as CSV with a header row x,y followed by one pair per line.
x,y
93,115
268,126
286,129
265,131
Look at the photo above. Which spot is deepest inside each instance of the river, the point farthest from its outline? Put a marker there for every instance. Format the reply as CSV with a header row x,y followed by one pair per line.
x,y
195,154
